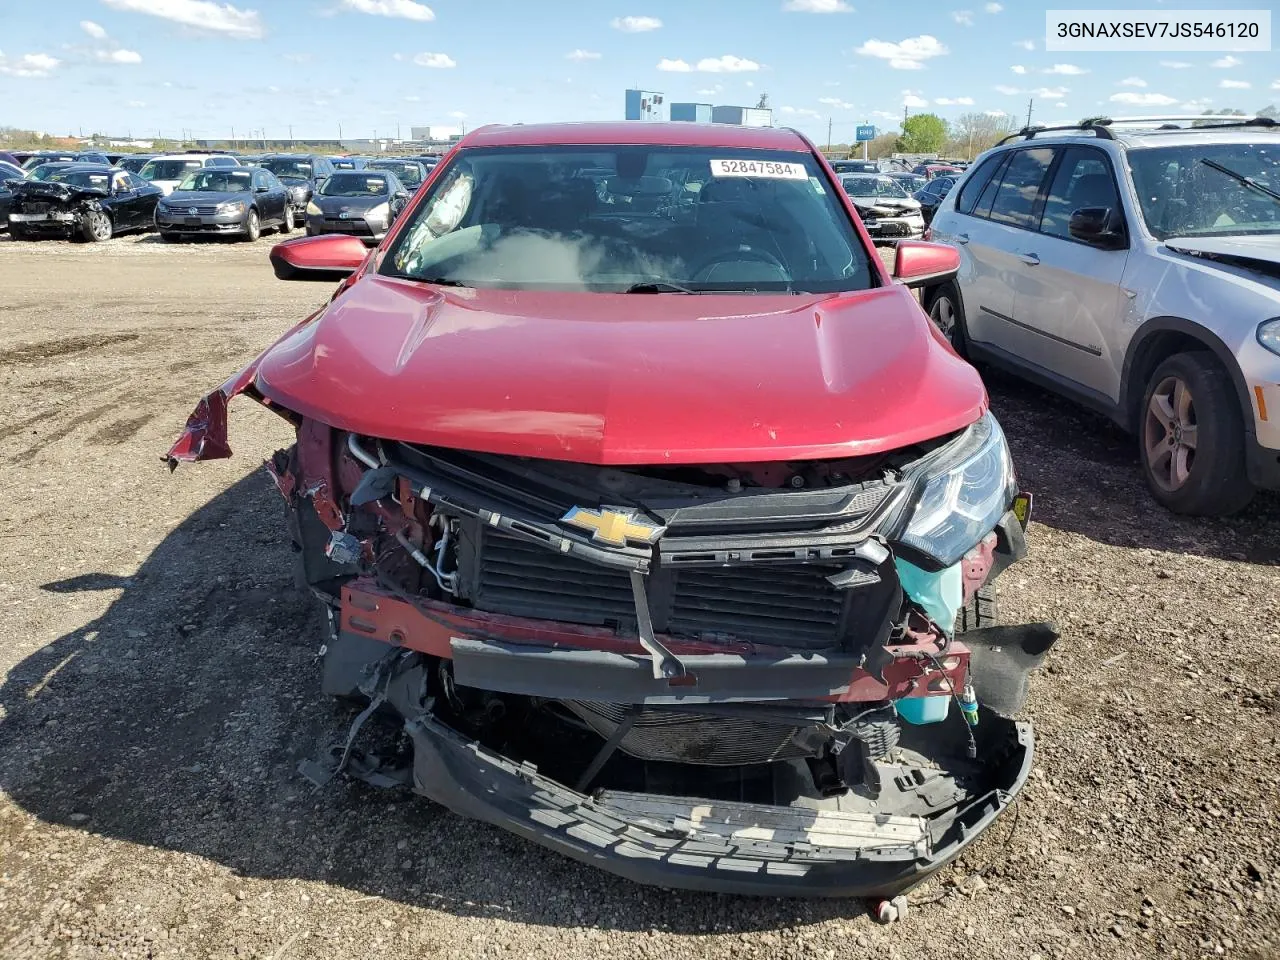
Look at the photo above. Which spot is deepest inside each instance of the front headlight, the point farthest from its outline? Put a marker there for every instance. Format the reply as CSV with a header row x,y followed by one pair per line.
x,y
964,501
380,212
314,210
1269,335
231,206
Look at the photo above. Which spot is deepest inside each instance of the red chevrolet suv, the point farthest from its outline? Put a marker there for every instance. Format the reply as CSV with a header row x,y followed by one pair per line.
x,y
658,510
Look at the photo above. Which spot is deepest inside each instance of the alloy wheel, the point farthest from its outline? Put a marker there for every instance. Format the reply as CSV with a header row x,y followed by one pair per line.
x,y
100,225
1170,434
943,314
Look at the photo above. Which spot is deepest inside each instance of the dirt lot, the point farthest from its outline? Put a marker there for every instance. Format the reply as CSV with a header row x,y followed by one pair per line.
x,y
160,687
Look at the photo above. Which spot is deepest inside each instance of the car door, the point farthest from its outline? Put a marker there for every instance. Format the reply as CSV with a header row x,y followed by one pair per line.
x,y
1002,217
1069,289
124,202
147,196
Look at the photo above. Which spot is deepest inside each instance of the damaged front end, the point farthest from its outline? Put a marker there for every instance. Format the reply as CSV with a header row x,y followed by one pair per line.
x,y
767,678
53,209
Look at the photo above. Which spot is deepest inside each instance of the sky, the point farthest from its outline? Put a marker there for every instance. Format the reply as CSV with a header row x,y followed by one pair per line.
x,y
208,68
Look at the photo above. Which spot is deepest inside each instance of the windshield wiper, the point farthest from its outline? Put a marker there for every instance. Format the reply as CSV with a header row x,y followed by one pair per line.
x,y
658,286
1241,178
438,281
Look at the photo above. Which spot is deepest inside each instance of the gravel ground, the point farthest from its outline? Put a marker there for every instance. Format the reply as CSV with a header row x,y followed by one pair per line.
x,y
160,685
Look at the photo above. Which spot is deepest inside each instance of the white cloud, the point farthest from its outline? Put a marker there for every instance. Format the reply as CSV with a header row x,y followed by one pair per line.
x,y
910,54
636,24
954,101
1133,82
993,8
673,66
884,114
1059,105
1176,64
709,91
963,17
1197,105
94,30
1143,99
437,61
910,99
580,55
994,113
118,56
1275,84
836,102
1051,93
413,98
1025,44
204,15
817,6
1007,90
1235,85
1227,62
136,104
1019,69
1066,70
458,114
801,112
403,9
748,83
726,64
28,65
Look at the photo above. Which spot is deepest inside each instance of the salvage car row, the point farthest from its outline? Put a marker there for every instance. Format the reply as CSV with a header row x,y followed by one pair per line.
x,y
189,195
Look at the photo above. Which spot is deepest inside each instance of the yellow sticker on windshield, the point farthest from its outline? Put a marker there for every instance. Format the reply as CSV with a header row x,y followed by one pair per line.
x,y
771,169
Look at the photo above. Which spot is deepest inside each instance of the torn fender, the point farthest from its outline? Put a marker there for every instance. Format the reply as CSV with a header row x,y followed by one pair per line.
x,y
205,435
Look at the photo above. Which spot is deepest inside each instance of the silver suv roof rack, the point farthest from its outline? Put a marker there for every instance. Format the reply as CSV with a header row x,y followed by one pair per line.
x,y
1102,126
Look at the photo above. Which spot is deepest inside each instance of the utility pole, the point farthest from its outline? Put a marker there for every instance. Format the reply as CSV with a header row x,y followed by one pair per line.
x,y
828,134
1029,103
904,116
233,138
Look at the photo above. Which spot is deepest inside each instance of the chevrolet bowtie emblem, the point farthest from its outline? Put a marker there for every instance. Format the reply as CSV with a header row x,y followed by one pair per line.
x,y
613,527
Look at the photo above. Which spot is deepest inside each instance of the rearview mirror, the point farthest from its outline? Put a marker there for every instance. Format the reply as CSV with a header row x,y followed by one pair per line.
x,y
328,257
1095,226
918,263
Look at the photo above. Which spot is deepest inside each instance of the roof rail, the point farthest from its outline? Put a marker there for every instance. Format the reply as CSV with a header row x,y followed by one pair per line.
x,y
1102,126
1095,125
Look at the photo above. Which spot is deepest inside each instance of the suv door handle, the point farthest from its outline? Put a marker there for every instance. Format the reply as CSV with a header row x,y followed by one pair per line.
x,y
1030,259
962,238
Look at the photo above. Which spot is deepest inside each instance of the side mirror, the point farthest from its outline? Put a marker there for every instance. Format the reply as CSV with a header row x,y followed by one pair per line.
x,y
917,263
261,189
1095,226
326,257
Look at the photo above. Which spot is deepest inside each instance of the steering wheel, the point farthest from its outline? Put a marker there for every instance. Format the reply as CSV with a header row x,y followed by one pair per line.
x,y
736,255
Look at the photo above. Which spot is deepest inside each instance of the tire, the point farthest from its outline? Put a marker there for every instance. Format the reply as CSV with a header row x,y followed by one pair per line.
x,y
946,310
1191,438
252,226
286,225
981,611
97,227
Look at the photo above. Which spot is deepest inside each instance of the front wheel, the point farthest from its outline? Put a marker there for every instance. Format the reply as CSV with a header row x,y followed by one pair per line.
x,y
252,226
946,310
287,225
97,227
1191,437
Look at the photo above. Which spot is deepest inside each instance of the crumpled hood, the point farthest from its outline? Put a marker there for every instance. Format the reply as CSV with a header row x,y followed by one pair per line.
x,y
1257,252
626,379
48,190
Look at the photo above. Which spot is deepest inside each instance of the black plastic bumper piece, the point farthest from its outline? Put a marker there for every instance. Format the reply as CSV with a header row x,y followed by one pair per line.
x,y
474,782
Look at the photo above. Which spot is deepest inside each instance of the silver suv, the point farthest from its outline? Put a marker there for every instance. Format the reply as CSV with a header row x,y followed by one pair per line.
x,y
1134,266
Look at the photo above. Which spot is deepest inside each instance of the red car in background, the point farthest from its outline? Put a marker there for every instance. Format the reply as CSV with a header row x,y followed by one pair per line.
x,y
658,510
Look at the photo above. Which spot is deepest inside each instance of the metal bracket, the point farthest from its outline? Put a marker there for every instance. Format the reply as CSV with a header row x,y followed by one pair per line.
x,y
666,665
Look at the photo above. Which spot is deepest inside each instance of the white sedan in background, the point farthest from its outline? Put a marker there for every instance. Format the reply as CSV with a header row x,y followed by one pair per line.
x,y
887,210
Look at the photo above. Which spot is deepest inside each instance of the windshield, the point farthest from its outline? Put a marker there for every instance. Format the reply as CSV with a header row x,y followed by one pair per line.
x,y
168,169
211,180
287,169
409,173
80,178
648,219
1183,195
46,170
354,185
873,187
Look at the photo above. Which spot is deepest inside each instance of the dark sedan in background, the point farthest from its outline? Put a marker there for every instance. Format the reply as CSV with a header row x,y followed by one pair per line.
x,y
7,172
225,202
84,200
932,194
349,163
361,203
411,173
134,162
301,173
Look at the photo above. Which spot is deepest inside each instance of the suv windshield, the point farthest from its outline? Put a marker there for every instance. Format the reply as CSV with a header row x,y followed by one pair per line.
x,y
1185,191
632,219
409,173
287,169
219,181
168,169
354,185
873,187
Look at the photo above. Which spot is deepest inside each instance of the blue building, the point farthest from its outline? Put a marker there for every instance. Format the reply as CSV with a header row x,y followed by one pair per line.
x,y
691,112
645,105
743,116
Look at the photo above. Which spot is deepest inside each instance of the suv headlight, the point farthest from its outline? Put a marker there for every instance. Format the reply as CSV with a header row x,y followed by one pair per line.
x,y
1269,335
965,499
231,206
313,209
